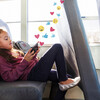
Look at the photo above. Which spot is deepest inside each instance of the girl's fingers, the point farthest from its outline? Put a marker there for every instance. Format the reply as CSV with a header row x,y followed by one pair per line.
x,y
37,51
32,52
33,55
38,47
29,50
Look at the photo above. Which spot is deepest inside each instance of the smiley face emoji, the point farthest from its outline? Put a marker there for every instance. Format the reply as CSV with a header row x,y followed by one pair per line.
x,y
55,20
58,7
41,28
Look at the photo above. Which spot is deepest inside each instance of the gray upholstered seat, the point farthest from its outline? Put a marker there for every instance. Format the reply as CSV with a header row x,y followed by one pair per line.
x,y
21,90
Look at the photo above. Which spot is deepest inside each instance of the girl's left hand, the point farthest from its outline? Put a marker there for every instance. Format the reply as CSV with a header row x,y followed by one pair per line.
x,y
29,55
37,51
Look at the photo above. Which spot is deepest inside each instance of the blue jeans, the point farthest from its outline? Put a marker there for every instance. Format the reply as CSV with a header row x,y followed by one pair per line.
x,y
42,70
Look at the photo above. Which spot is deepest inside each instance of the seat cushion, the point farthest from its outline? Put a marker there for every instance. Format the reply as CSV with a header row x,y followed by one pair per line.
x,y
21,90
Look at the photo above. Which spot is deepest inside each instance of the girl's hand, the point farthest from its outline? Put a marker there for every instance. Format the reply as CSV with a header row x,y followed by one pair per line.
x,y
29,55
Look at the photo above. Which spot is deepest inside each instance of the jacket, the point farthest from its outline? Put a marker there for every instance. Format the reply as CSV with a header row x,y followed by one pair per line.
x,y
16,71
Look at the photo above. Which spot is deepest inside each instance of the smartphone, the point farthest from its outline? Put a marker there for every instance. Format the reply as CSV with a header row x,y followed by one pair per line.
x,y
35,48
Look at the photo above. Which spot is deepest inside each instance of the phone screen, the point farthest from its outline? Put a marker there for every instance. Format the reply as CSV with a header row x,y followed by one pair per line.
x,y
35,48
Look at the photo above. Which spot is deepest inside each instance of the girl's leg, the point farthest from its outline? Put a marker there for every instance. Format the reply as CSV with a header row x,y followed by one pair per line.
x,y
41,70
60,95
56,94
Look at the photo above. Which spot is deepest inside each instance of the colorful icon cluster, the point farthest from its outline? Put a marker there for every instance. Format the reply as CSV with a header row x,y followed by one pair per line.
x,y
55,21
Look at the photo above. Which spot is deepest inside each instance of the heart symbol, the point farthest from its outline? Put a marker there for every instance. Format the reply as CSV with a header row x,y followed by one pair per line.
x,y
62,1
41,43
51,13
52,29
37,36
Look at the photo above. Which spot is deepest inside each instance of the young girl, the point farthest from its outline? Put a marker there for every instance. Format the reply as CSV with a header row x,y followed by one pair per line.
x,y
15,66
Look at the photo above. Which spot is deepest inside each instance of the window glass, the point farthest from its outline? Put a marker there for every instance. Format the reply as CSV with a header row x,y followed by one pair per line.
x,y
40,9
89,12
45,36
10,12
15,29
88,7
42,13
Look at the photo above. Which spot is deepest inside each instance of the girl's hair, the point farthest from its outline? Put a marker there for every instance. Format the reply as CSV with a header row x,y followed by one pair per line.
x,y
7,54
1,30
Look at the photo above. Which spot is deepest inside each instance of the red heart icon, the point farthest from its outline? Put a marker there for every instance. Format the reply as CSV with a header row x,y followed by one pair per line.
x,y
51,13
37,36
62,1
41,43
52,29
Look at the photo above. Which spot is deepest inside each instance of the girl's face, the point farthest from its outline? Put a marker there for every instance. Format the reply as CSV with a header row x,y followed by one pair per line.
x,y
5,41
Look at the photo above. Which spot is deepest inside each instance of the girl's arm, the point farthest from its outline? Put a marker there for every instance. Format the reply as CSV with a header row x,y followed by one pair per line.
x,y
11,73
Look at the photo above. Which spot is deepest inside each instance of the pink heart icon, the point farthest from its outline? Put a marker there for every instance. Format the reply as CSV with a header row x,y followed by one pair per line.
x,y
37,36
51,13
52,29
41,43
62,1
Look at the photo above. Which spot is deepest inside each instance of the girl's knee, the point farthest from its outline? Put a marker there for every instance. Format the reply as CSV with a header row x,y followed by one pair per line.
x,y
57,45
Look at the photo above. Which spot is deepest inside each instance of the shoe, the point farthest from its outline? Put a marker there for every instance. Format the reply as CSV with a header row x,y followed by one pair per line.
x,y
64,87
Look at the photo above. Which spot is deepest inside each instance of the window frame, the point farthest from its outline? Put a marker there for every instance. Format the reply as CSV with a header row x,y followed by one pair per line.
x,y
24,20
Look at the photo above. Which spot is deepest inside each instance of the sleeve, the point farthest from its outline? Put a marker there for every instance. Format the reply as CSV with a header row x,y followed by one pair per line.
x,y
11,72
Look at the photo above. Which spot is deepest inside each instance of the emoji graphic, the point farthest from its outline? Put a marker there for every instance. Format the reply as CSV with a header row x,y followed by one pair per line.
x,y
55,20
55,3
62,1
48,23
52,29
41,28
45,36
41,43
53,35
58,15
37,36
58,7
51,13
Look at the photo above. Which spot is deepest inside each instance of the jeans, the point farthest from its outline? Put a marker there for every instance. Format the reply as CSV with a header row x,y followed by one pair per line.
x,y
42,70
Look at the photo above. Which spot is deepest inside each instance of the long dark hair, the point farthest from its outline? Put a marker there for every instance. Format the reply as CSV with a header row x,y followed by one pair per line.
x,y
7,54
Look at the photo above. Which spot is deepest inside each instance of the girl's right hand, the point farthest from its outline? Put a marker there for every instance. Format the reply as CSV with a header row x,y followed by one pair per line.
x,y
29,55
